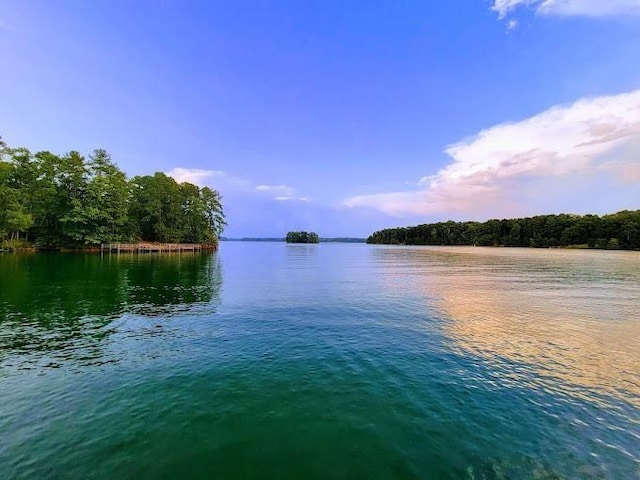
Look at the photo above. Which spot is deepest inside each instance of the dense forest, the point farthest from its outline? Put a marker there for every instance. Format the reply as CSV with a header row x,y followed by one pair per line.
x,y
52,201
302,237
616,231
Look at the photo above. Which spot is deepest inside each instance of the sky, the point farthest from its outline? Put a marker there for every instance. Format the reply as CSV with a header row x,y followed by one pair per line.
x,y
341,117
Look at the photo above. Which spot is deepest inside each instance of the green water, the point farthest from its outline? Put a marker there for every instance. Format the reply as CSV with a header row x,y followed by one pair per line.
x,y
321,361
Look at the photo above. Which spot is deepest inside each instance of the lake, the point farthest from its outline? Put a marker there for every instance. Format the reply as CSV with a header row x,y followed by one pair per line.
x,y
346,361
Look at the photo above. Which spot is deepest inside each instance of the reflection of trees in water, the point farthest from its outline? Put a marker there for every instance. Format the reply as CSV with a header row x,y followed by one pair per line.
x,y
66,303
162,285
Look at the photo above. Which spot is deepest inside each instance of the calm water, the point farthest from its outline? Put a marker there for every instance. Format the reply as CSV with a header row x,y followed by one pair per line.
x,y
321,361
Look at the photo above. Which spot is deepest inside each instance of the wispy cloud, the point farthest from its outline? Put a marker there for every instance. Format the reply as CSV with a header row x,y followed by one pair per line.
x,y
217,179
226,182
292,198
196,176
281,192
589,8
277,190
590,137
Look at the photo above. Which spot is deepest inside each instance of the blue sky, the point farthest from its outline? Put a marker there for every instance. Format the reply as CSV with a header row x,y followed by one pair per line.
x,y
341,117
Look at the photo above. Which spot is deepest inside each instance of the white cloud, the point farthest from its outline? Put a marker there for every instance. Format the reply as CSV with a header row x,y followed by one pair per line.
x,y
213,178
281,192
589,8
503,7
277,190
592,137
226,182
194,175
298,199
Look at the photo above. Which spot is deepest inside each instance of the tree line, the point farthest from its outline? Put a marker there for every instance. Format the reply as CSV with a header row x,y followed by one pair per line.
x,y
302,237
615,231
54,201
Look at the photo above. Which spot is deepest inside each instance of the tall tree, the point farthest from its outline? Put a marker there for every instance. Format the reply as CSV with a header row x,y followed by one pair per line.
x,y
214,213
156,207
106,200
73,179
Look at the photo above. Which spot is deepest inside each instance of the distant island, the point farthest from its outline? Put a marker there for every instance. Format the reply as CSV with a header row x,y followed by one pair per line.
x,y
50,201
302,237
615,231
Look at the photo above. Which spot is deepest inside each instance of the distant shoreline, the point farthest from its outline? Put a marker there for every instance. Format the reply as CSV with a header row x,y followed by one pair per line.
x,y
567,247
283,240
616,231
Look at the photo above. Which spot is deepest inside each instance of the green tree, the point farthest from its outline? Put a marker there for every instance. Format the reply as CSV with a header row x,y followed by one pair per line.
x,y
107,199
213,211
17,178
165,211
155,207
73,178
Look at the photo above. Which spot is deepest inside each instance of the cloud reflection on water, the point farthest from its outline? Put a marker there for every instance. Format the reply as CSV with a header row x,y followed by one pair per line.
x,y
552,319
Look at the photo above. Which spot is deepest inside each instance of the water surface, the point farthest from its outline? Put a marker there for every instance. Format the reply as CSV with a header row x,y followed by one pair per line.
x,y
267,360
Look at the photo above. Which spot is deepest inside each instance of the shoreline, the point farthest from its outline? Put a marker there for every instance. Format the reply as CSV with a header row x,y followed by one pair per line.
x,y
141,248
554,247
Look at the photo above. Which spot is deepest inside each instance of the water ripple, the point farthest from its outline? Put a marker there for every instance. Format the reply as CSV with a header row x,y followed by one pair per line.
x,y
331,360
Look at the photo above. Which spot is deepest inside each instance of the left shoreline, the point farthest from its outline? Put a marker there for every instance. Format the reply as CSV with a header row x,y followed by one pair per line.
x,y
161,248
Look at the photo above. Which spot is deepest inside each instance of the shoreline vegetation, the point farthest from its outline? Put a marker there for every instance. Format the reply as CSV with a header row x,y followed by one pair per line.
x,y
617,231
72,203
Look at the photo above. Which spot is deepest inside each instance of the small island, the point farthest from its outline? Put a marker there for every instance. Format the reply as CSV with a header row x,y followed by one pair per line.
x,y
302,237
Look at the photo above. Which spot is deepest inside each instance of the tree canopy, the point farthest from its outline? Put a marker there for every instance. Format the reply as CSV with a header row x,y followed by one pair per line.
x,y
72,201
615,231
